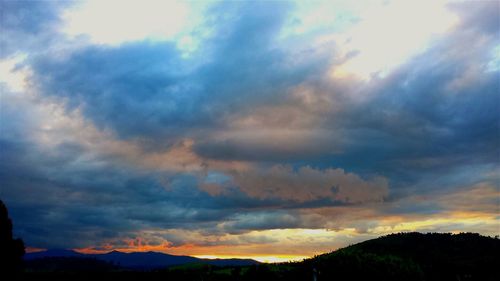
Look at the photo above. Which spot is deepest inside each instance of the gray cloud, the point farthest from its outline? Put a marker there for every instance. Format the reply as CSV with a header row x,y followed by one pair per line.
x,y
27,25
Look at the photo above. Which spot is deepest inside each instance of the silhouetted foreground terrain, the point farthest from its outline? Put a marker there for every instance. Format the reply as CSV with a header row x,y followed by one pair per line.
x,y
404,256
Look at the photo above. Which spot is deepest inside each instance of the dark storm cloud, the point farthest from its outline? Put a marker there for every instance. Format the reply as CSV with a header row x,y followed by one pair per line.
x,y
438,112
66,192
435,114
146,90
136,90
74,204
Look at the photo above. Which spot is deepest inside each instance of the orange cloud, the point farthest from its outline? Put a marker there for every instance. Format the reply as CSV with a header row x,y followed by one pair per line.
x,y
308,184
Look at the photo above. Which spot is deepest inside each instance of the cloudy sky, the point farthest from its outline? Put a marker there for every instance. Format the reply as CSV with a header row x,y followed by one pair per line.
x,y
270,130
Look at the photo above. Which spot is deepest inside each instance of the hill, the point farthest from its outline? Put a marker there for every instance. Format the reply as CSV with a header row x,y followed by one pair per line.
x,y
415,256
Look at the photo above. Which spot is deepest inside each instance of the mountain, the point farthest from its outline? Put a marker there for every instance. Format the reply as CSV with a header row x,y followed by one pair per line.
x,y
138,260
144,260
52,253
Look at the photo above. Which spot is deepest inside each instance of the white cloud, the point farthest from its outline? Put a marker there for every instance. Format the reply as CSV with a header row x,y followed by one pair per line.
x,y
13,77
114,22
389,34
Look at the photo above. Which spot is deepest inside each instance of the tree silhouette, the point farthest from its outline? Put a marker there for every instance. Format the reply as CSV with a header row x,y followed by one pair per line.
x,y
11,250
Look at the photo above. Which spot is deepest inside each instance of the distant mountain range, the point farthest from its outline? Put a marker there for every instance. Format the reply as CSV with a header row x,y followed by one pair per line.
x,y
138,260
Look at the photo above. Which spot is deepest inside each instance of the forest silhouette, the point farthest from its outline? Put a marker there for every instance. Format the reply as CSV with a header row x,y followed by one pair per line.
x,y
11,250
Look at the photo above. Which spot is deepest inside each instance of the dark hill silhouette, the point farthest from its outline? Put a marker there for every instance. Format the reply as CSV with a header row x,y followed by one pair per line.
x,y
415,256
11,250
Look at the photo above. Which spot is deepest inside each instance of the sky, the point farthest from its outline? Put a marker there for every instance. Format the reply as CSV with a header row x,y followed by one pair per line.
x,y
269,130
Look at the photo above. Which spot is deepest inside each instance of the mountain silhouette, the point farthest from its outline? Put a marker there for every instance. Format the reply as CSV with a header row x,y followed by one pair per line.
x,y
52,253
138,260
